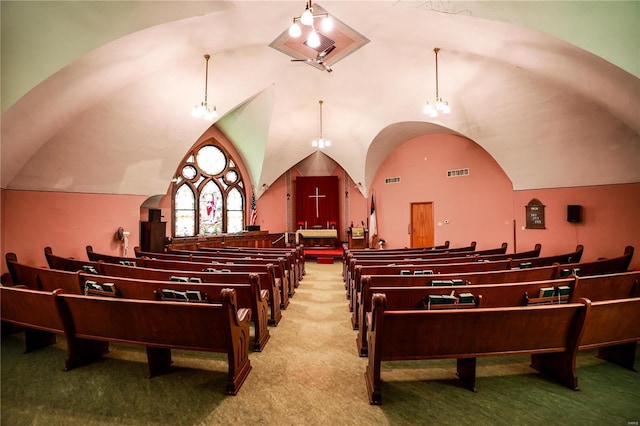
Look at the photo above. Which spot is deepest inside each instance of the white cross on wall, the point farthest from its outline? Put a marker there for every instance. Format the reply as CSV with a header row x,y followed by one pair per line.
x,y
317,197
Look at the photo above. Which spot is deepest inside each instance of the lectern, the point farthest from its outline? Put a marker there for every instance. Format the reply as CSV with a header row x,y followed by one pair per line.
x,y
358,237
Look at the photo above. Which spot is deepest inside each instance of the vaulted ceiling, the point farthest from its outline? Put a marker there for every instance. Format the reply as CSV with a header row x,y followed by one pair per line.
x,y
97,96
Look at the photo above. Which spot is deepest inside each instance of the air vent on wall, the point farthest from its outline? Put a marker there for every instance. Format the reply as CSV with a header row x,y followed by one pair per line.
x,y
392,180
458,172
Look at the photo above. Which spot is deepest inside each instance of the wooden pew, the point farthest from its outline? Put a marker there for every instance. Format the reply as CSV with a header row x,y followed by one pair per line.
x,y
68,263
265,277
280,276
406,253
296,252
37,278
122,260
34,310
248,296
235,267
600,266
468,278
348,269
549,333
159,326
485,296
293,256
532,262
455,252
613,326
286,269
420,269
607,287
440,248
382,257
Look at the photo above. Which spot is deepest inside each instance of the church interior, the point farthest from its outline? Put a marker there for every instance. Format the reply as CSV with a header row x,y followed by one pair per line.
x,y
400,124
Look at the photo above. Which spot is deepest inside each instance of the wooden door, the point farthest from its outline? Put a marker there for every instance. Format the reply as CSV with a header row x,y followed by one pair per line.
x,y
421,226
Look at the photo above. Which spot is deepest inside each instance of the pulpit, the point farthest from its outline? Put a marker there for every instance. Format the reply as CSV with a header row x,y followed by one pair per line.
x,y
358,237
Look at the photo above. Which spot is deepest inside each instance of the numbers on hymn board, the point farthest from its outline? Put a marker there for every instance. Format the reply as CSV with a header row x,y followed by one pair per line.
x,y
535,214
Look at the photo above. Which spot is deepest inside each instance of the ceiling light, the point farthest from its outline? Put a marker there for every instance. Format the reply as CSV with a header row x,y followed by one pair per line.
x,y
314,39
327,24
294,30
320,142
203,110
438,105
307,18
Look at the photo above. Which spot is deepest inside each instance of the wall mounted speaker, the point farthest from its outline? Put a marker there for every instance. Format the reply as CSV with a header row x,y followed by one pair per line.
x,y
574,213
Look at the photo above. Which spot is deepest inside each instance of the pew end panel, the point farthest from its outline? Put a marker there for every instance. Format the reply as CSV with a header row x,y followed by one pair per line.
x,y
35,311
614,328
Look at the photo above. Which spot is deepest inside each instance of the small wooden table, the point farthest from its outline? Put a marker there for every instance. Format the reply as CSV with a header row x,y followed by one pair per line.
x,y
317,237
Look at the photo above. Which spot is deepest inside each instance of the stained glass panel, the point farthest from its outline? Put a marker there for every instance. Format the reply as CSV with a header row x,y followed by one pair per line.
x,y
210,209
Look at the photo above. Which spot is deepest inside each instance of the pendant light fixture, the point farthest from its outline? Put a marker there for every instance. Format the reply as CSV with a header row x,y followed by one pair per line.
x,y
203,109
307,18
438,105
321,142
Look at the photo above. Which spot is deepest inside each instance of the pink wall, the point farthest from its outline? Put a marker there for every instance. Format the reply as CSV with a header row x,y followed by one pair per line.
x,y
67,222
610,221
272,208
359,207
478,207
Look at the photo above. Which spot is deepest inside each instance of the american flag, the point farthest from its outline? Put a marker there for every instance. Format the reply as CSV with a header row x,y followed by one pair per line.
x,y
254,212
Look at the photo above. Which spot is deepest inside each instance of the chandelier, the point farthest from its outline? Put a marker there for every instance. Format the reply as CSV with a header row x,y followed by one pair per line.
x,y
203,109
320,142
438,105
307,18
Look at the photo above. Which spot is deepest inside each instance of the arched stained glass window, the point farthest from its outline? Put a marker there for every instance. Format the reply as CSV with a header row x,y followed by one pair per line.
x,y
209,194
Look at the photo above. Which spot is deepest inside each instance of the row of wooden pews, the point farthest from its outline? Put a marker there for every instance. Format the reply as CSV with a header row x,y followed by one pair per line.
x,y
248,292
487,271
88,326
406,293
144,268
432,256
202,302
551,334
428,308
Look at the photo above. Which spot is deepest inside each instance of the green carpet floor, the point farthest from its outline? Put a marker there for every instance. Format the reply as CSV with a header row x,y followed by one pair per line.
x,y
308,374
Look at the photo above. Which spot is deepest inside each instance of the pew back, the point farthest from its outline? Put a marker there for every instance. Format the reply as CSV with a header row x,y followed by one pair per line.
x,y
601,266
248,295
485,296
550,333
265,279
606,287
160,327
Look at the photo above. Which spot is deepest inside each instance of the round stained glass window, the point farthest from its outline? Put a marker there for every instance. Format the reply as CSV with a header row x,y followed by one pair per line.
x,y
231,176
189,172
211,160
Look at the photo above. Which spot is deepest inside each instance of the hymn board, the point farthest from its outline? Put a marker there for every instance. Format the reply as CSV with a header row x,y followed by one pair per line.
x,y
317,202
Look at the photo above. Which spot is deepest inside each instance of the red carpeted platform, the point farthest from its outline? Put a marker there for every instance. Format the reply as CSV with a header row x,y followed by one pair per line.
x,y
323,255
